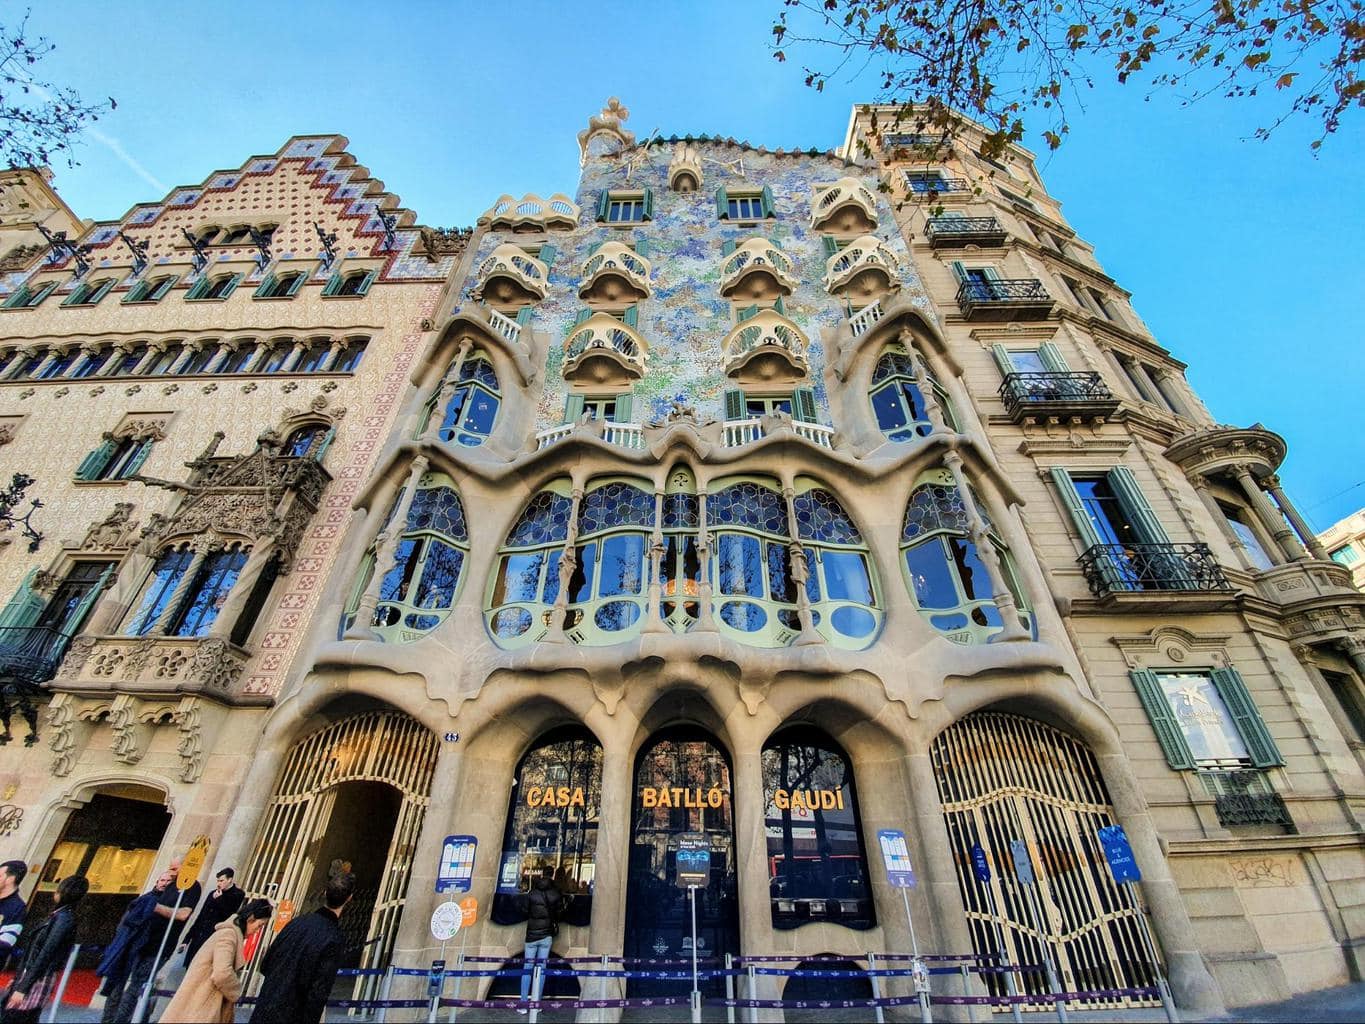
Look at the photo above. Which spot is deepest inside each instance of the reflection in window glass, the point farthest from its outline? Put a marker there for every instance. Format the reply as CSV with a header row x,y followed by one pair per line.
x,y
165,577
1204,720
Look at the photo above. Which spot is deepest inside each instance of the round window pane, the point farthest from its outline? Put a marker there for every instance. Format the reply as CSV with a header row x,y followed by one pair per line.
x,y
855,622
511,622
421,621
742,615
617,615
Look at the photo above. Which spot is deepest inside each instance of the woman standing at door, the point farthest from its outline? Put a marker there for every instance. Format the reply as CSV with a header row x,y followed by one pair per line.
x,y
543,903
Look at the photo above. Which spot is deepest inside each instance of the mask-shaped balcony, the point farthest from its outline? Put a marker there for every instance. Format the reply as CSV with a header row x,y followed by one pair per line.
x,y
508,276
766,348
757,270
864,269
532,213
615,273
844,207
602,350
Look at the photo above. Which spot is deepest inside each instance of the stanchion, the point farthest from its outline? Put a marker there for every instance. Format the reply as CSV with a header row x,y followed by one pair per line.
x,y
729,988
876,986
1167,1000
436,983
753,994
61,985
459,983
384,990
920,974
1016,1011
696,992
537,979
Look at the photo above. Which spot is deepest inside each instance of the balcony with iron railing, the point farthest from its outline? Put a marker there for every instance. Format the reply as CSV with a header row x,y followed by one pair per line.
x,y
767,348
846,205
757,269
1004,299
1169,574
532,213
604,350
927,189
1049,395
29,655
508,274
951,232
866,266
615,273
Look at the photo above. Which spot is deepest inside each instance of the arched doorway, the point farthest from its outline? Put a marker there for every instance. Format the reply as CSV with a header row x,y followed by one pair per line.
x,y
113,839
352,794
1004,778
682,786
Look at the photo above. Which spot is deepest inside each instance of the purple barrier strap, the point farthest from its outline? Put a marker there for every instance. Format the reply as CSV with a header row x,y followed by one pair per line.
x,y
562,1004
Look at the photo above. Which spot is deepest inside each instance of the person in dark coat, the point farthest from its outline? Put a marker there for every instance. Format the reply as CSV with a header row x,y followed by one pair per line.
x,y
48,949
171,910
222,903
117,962
301,965
542,904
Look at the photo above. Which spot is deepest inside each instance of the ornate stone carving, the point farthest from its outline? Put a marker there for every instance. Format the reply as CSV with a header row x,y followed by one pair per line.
x,y
191,746
20,257
437,243
215,665
115,532
209,664
140,430
127,745
608,122
61,720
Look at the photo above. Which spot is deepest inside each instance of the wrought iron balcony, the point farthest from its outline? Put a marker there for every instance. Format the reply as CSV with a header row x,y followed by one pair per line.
x,y
31,654
1030,396
932,188
949,232
1246,797
1004,299
1138,568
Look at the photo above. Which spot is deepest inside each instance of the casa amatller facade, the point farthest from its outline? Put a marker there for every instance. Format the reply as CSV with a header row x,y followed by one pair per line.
x,y
775,496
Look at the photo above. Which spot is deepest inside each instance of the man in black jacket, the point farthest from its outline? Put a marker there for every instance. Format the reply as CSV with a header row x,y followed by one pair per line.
x,y
542,905
302,963
222,903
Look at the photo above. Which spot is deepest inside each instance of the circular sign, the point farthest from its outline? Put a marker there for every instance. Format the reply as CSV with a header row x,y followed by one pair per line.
x,y
446,921
193,863
469,911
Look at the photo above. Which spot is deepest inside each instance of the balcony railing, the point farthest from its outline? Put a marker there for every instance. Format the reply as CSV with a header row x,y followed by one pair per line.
x,y
615,259
531,211
1029,395
1246,797
30,654
756,256
603,336
843,192
504,325
861,322
860,256
737,433
767,340
1004,299
944,232
508,271
623,435
932,188
1139,568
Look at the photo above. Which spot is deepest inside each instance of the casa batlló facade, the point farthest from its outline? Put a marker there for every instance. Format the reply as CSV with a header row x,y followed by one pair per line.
x,y
775,498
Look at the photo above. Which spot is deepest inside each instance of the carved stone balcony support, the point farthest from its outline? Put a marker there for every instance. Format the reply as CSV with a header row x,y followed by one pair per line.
x,y
602,350
509,276
757,270
532,213
866,268
766,348
207,665
844,207
615,273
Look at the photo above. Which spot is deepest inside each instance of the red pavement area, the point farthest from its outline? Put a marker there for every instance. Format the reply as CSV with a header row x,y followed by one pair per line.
x,y
79,989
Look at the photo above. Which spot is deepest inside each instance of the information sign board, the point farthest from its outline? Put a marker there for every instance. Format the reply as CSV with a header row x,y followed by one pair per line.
x,y
456,871
980,866
446,920
193,863
1023,863
1119,854
693,861
896,857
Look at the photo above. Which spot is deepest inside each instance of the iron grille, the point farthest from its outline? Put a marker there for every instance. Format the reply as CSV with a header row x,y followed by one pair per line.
x,y
30,654
1020,389
1129,568
1246,798
925,188
1025,289
962,227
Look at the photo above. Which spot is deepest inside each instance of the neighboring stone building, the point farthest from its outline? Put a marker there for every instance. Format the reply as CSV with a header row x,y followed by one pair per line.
x,y
196,408
1345,544
784,497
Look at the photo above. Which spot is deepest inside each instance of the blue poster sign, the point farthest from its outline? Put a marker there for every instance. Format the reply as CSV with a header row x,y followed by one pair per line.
x,y
456,871
980,865
1119,854
896,857
693,861
1023,863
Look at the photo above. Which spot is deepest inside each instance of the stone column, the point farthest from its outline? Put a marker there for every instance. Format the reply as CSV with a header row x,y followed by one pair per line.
x,y
751,865
386,550
236,599
800,573
444,392
654,622
1354,649
203,546
110,368
985,550
1270,519
568,562
154,350
606,932
1169,386
1201,488
83,351
51,356
706,620
1272,484
1191,984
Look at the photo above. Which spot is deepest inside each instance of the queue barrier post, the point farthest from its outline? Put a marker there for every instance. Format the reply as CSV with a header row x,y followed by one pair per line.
x,y
1011,986
1054,986
1167,1000
753,994
537,980
384,991
921,978
729,988
876,986
61,985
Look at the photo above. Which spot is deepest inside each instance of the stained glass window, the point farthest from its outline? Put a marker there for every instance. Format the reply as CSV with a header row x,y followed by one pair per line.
x,y
418,590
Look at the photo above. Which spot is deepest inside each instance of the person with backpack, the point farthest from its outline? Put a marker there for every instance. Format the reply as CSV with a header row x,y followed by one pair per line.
x,y
49,946
542,905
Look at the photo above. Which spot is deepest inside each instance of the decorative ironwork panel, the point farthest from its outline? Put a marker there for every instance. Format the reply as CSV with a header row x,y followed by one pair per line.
x,y
1027,289
1132,568
1020,390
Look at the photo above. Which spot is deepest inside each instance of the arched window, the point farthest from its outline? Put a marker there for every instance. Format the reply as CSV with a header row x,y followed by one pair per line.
x,y
526,581
198,604
417,593
607,589
235,235
944,571
898,401
839,581
303,442
816,862
754,589
469,415
680,567
208,235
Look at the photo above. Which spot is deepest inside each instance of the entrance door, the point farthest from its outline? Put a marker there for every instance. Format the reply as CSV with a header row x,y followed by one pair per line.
x,y
682,785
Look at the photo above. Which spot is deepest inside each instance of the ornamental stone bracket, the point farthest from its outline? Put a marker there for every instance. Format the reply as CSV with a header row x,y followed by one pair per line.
x,y
1300,583
133,723
1328,621
210,666
1214,449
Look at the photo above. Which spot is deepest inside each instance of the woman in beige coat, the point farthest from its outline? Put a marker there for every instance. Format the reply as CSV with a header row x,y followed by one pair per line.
x,y
212,984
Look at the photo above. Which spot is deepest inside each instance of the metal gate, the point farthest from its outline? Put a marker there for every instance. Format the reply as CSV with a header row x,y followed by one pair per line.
x,y
377,746
1004,777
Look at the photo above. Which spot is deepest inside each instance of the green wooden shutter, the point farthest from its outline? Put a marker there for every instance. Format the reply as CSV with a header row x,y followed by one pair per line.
x,y
1052,358
136,292
631,317
327,440
734,405
20,294
263,289
90,466
102,291
803,405
135,463
573,408
1134,502
199,287
1071,498
830,244
960,271
42,293
77,294
77,614
729,247
767,196
722,204
603,201
297,284
780,306
581,316
523,316
25,606
232,285
1264,754
746,313
332,285
365,284
547,255
623,409
649,203
642,247
1002,359
1163,719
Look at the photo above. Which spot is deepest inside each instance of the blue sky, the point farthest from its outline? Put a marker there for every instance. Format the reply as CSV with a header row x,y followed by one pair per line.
x,y
1242,256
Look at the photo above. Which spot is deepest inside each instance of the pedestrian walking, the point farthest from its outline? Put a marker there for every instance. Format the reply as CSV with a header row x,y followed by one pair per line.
x,y
542,905
12,906
301,965
165,920
213,982
225,900
49,945
122,949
